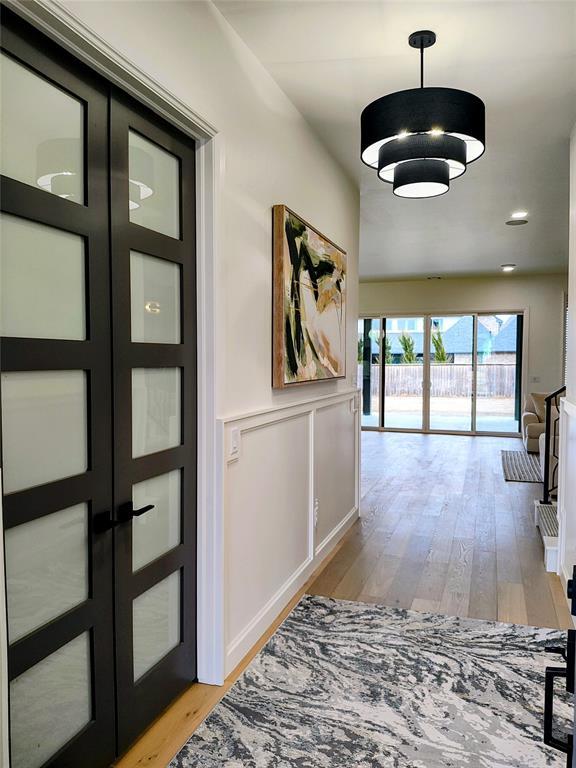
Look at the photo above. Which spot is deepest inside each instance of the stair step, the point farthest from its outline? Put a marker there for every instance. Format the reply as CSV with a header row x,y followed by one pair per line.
x,y
546,518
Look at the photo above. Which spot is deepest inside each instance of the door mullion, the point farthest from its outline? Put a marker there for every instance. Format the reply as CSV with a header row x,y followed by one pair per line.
x,y
474,371
426,383
382,392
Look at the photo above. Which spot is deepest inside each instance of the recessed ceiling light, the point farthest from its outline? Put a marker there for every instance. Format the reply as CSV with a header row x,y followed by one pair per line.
x,y
508,267
519,215
516,222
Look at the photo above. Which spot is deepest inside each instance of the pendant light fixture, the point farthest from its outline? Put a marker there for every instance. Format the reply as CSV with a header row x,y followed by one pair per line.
x,y
421,138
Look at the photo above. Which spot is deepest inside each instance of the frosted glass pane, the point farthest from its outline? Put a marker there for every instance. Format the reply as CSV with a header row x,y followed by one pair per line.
x,y
42,137
156,623
46,568
155,299
42,284
44,427
154,186
156,531
155,409
50,703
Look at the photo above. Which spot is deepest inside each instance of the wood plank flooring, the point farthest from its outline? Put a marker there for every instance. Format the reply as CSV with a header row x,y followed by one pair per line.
x,y
442,531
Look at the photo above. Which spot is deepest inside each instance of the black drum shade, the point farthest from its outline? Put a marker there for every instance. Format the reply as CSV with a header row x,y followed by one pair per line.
x,y
421,178
422,111
412,131
422,146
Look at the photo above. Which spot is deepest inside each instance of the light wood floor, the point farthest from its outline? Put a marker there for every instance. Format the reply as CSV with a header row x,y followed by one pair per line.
x,y
441,530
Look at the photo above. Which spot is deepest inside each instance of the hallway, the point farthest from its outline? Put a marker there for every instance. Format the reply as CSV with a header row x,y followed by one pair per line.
x,y
442,531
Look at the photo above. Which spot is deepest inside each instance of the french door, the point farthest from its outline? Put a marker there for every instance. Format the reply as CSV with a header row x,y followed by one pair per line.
x,y
442,373
97,392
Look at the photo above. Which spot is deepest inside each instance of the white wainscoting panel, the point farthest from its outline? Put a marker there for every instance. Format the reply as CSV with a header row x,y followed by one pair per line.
x,y
334,468
276,463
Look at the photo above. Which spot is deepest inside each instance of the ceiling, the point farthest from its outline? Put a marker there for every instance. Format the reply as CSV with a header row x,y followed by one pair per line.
x,y
333,57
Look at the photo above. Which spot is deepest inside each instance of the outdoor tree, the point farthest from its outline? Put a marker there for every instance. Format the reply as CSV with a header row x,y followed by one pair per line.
x,y
387,350
407,344
440,354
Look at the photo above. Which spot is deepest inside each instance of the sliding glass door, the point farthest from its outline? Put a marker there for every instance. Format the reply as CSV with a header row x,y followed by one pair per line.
x,y
451,372
442,373
498,372
403,352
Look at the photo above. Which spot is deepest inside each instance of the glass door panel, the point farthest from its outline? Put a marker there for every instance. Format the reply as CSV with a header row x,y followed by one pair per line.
x,y
156,628
46,569
154,192
42,138
369,370
451,372
498,373
42,282
158,531
44,427
403,351
51,703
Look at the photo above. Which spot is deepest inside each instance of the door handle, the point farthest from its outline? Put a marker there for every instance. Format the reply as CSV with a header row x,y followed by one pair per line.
x,y
549,739
142,510
127,511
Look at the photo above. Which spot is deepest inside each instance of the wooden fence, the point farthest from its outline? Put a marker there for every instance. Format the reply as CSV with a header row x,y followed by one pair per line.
x,y
447,380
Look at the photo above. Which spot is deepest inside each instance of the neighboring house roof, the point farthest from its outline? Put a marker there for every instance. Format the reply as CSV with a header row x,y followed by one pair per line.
x,y
458,338
505,341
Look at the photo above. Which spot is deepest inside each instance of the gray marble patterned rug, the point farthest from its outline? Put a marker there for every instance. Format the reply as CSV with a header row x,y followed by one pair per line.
x,y
353,685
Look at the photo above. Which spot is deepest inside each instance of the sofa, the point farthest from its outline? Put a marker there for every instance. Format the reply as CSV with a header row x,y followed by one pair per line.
x,y
533,421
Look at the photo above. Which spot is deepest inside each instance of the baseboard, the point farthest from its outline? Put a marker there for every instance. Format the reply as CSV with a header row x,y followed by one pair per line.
x,y
253,631
338,532
242,643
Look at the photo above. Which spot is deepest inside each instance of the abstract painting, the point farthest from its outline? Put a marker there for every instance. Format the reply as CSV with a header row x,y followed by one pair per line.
x,y
309,312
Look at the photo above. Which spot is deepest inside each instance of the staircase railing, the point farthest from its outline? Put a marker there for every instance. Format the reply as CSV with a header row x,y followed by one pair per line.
x,y
552,433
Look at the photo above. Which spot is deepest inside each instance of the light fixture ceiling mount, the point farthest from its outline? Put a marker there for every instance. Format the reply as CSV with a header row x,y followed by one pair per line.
x,y
422,126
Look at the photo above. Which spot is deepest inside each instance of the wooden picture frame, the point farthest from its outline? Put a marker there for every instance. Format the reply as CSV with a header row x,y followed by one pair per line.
x,y
309,303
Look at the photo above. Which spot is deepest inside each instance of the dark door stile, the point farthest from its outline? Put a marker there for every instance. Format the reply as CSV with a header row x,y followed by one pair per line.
x,y
95,745
138,703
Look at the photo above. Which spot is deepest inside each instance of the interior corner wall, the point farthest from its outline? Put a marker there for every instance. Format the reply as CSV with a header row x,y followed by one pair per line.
x,y
541,295
267,154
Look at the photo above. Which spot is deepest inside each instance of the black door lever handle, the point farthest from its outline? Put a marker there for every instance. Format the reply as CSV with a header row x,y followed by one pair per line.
x,y
142,510
127,511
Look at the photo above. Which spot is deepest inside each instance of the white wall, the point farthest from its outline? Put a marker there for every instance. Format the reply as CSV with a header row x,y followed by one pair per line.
x,y
567,484
267,154
541,295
